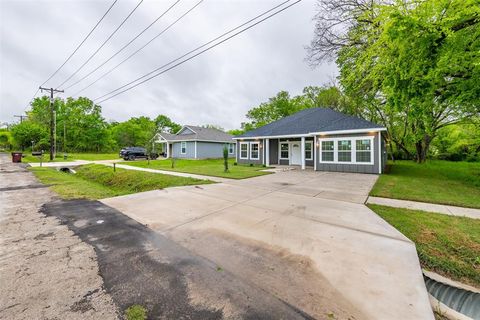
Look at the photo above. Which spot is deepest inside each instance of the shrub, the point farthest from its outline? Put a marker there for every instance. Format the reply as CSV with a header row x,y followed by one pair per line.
x,y
136,312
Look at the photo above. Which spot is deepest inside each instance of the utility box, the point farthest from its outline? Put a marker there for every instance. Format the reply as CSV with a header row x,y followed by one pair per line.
x,y
16,157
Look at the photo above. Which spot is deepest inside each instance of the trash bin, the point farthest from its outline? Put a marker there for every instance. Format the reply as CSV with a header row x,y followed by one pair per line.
x,y
16,157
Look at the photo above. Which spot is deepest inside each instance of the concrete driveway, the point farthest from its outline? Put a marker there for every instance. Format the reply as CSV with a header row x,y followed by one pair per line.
x,y
304,236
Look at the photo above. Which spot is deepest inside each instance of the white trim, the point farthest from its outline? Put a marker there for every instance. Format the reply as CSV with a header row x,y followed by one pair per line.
x,y
168,150
302,150
310,134
184,128
267,152
280,150
314,153
312,150
272,137
350,131
258,150
240,150
353,150
379,152
195,149
181,147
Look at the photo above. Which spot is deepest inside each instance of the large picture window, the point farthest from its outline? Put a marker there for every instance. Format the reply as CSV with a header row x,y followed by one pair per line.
x,y
357,150
327,151
363,153
183,147
344,150
254,150
308,150
243,150
284,151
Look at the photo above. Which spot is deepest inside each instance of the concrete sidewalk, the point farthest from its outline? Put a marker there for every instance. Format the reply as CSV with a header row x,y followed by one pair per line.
x,y
423,206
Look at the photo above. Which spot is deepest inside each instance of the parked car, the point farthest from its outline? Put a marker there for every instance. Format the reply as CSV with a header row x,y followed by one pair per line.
x,y
132,153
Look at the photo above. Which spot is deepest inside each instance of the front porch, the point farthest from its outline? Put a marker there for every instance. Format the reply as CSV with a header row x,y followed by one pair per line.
x,y
292,151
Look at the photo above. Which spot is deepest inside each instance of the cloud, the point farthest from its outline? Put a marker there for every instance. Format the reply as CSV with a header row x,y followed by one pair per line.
x,y
218,87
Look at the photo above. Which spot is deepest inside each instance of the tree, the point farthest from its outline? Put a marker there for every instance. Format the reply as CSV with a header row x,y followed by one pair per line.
x,y
27,131
6,139
165,124
410,65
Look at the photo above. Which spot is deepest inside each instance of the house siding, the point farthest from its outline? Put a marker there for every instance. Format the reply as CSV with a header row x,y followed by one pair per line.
x,y
356,168
253,161
207,150
190,154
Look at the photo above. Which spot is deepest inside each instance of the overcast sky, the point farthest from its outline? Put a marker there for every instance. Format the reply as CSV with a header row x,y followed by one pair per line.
x,y
217,87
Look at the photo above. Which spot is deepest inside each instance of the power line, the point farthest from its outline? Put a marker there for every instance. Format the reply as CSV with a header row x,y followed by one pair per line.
x,y
78,47
96,51
126,45
141,48
187,59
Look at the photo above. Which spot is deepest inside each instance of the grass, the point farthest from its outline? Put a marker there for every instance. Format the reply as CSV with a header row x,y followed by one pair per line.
x,y
95,181
447,245
208,167
71,156
437,181
136,312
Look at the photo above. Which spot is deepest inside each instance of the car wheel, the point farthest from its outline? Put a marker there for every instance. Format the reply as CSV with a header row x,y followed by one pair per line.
x,y
131,157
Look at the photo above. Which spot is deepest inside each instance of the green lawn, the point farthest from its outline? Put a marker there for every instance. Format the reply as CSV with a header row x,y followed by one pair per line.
x,y
437,181
71,156
96,181
446,244
209,167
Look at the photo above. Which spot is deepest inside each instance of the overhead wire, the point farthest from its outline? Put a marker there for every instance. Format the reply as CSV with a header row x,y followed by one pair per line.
x,y
101,99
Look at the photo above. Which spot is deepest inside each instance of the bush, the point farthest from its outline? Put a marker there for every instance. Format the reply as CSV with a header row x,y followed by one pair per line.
x,y
235,163
136,312
251,164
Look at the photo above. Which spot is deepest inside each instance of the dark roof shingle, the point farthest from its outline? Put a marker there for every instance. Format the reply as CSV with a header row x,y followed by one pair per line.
x,y
203,134
311,120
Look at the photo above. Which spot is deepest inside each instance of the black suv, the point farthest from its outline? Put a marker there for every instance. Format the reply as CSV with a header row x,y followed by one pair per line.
x,y
131,153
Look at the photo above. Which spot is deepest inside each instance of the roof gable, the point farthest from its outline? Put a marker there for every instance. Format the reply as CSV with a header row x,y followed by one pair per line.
x,y
193,133
309,121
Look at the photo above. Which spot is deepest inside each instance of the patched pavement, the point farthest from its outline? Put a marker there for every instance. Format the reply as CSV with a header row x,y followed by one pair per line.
x,y
303,237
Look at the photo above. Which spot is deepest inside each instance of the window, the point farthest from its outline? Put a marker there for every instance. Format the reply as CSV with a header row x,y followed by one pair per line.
x,y
243,150
363,153
183,149
230,148
254,150
308,150
344,151
327,151
284,151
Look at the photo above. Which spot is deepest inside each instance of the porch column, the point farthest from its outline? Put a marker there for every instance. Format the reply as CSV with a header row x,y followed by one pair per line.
x,y
303,153
315,150
267,152
168,150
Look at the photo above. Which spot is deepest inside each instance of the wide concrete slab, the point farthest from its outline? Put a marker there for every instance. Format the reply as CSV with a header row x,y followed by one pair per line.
x,y
291,229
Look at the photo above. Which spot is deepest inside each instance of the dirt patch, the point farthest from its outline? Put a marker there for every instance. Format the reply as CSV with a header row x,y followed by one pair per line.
x,y
292,278
45,270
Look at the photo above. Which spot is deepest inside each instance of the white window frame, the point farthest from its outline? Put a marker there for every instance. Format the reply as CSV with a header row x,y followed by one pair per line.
x,y
258,151
280,150
241,144
182,144
231,148
353,149
311,150
364,151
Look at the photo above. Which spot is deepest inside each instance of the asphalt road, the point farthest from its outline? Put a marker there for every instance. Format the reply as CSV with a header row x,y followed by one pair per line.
x,y
140,266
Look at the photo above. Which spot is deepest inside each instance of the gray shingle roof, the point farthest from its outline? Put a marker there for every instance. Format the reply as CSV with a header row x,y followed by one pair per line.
x,y
311,120
203,134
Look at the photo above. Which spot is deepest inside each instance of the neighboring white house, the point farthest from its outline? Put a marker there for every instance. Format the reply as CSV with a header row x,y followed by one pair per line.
x,y
193,142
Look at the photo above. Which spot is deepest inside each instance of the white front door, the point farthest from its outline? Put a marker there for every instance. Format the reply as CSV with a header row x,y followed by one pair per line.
x,y
295,154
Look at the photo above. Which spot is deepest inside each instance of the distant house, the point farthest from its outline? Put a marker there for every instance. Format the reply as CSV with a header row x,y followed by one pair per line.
x,y
193,142
321,138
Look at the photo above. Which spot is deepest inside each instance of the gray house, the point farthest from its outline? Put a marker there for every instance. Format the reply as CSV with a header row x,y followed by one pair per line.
x,y
193,142
321,138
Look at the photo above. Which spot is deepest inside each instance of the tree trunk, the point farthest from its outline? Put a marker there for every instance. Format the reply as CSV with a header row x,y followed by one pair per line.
x,y
422,147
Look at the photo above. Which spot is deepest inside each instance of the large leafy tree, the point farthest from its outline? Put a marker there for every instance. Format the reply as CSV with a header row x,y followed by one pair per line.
x,y
27,133
412,65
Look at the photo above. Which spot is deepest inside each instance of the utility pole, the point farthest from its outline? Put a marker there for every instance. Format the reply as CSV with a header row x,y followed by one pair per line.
x,y
52,120
21,117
